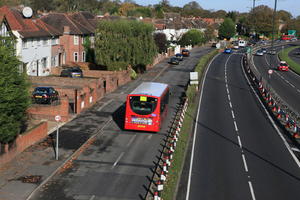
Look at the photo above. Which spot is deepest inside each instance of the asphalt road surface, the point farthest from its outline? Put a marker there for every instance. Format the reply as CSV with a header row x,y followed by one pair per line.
x,y
119,164
237,153
286,84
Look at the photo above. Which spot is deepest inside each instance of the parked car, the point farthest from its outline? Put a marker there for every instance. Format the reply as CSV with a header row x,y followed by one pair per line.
x,y
259,53
283,66
228,50
174,61
44,95
185,52
179,56
73,72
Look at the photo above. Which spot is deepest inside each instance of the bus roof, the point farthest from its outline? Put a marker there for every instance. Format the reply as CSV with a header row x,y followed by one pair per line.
x,y
151,89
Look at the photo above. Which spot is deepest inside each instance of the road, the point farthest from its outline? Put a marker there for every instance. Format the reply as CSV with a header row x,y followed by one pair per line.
x,y
237,153
286,84
119,164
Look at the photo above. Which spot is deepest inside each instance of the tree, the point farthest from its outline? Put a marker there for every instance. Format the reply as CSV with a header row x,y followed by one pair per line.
x,y
90,52
209,33
192,37
14,93
123,43
232,15
192,5
161,42
227,29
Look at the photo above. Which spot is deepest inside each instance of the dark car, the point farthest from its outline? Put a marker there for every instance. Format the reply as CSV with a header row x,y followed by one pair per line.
x,y
185,52
73,72
44,95
179,56
264,50
174,61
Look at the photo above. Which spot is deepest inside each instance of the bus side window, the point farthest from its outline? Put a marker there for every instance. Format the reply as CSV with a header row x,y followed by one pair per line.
x,y
164,102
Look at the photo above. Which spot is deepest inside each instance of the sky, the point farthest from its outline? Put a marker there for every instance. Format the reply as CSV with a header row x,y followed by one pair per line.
x,y
292,6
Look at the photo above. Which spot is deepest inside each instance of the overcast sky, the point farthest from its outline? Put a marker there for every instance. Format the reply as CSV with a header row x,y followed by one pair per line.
x,y
293,6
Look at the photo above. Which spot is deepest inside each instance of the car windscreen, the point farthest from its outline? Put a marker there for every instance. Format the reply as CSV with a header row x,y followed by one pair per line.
x,y
143,105
41,90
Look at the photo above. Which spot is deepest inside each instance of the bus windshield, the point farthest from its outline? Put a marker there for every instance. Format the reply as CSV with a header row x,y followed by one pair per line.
x,y
143,105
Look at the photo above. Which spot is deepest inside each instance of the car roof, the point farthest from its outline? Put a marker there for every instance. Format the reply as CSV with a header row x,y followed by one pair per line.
x,y
282,62
150,88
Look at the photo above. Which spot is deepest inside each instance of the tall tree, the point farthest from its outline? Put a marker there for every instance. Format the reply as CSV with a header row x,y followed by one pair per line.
x,y
192,37
192,5
227,29
14,93
161,42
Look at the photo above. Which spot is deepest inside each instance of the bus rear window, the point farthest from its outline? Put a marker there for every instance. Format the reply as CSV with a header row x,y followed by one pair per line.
x,y
143,105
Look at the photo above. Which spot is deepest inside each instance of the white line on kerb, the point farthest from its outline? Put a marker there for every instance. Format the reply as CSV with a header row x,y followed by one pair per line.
x,y
240,143
245,163
251,190
118,159
195,130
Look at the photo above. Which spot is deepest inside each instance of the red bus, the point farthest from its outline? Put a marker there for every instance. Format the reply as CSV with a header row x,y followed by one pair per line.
x,y
146,107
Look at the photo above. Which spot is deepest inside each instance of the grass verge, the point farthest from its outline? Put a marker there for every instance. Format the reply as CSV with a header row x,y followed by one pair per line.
x,y
179,155
284,55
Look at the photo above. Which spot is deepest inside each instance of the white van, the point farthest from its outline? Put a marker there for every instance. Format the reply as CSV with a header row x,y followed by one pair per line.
x,y
242,43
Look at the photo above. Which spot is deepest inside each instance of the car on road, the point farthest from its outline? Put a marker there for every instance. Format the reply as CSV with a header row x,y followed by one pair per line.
x,y
185,52
179,56
73,72
228,50
174,61
283,66
264,50
259,53
272,52
44,95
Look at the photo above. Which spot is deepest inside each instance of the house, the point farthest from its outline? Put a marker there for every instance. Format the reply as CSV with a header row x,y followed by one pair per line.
x,y
74,29
34,40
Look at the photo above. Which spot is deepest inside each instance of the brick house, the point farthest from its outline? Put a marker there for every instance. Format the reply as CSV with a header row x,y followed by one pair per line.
x,y
34,41
74,29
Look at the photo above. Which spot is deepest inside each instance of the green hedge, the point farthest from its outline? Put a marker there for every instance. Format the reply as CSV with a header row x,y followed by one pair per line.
x,y
179,154
284,55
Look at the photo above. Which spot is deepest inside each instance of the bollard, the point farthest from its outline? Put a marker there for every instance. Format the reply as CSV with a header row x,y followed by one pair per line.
x,y
160,186
156,196
163,176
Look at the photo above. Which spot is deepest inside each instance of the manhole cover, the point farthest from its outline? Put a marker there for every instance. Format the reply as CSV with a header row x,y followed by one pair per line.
x,y
31,179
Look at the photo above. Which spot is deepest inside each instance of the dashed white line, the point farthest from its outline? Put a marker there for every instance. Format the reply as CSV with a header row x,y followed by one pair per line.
x,y
245,163
232,113
118,159
149,137
227,90
92,197
105,104
228,97
230,104
251,190
131,140
235,126
240,143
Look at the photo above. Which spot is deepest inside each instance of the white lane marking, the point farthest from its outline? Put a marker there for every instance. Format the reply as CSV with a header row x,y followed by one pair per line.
x,y
92,197
235,126
240,142
131,140
228,97
232,113
149,137
251,190
195,130
105,104
227,90
295,149
118,159
230,104
245,163
272,121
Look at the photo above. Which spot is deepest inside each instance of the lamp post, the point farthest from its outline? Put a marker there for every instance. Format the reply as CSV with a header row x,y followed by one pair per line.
x,y
273,23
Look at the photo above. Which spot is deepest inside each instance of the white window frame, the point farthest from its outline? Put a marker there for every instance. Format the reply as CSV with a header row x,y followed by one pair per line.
x,y
75,56
76,40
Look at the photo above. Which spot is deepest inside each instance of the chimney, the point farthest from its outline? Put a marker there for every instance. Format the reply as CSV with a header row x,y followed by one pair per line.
x,y
66,30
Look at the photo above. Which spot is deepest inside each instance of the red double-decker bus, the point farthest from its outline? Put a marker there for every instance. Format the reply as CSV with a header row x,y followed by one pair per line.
x,y
146,107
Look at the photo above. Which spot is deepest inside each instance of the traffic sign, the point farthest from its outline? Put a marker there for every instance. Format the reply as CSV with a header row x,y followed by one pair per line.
x,y
57,118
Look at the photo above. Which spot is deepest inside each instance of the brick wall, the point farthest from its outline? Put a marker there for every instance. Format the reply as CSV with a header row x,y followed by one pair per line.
x,y
23,141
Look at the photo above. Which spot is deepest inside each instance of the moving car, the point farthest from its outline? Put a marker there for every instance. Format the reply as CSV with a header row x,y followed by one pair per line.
x,y
264,50
174,61
259,53
272,52
73,72
179,56
44,95
228,50
185,52
242,43
283,66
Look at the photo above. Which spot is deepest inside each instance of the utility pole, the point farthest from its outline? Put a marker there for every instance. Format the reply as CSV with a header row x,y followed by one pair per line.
x,y
253,4
273,23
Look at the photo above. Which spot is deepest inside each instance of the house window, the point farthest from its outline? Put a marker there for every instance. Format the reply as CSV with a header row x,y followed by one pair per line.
x,y
75,56
33,43
38,42
44,62
83,56
76,39
57,41
4,31
25,44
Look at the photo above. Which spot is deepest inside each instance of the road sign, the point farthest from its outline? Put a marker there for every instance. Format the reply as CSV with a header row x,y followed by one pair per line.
x,y
270,71
57,118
